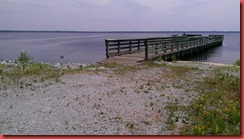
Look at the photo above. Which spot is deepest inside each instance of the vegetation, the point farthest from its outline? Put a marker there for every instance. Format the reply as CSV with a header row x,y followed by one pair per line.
x,y
217,111
1,68
170,121
24,59
238,62
174,58
34,69
130,125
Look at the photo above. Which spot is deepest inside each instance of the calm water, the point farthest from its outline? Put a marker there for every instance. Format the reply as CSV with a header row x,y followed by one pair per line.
x,y
89,47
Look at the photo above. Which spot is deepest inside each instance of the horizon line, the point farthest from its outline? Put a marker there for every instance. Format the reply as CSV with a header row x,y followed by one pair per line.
x,y
109,31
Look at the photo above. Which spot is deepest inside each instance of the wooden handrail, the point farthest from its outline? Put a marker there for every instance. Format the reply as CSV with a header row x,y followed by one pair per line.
x,y
159,45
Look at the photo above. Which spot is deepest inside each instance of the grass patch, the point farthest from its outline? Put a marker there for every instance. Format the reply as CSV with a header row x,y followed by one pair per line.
x,y
238,62
33,73
2,66
180,71
217,111
109,65
174,58
93,66
34,69
228,69
152,64
122,70
118,119
170,121
130,126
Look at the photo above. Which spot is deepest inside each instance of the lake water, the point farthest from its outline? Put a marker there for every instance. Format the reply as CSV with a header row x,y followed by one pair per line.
x,y
80,47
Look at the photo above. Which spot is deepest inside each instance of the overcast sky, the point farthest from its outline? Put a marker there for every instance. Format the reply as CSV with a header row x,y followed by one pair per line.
x,y
120,15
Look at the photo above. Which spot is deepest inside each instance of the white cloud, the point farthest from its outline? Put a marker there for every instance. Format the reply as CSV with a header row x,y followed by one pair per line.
x,y
111,14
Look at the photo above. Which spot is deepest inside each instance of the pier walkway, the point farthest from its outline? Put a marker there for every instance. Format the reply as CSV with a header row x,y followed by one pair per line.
x,y
134,51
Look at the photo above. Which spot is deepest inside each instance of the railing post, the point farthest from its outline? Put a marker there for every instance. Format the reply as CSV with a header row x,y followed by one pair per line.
x,y
130,47
172,45
146,50
156,49
139,46
107,49
118,47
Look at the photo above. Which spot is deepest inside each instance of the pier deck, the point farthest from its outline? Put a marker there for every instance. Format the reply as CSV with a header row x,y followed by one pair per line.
x,y
134,51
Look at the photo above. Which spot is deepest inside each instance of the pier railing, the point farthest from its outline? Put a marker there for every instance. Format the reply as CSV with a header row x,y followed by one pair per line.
x,y
155,47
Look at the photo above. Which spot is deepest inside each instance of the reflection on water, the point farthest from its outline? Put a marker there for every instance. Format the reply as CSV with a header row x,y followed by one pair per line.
x,y
203,55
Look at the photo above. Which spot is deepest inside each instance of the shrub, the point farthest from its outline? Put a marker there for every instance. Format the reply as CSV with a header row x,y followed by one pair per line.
x,y
238,62
130,125
24,59
174,58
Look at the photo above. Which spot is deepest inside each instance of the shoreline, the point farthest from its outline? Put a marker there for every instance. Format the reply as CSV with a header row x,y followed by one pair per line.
x,y
57,65
75,65
209,63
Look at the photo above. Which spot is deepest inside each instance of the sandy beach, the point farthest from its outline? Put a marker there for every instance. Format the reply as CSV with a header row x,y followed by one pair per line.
x,y
103,101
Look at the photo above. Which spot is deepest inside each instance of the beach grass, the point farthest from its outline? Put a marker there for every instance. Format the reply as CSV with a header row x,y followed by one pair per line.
x,y
217,110
238,62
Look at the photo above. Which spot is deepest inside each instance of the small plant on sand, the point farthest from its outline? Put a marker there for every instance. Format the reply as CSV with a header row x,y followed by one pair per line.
x,y
238,62
24,59
174,58
170,121
146,91
130,126
159,59
1,70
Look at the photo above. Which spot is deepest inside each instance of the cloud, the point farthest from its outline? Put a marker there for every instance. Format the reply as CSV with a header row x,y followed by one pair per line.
x,y
120,14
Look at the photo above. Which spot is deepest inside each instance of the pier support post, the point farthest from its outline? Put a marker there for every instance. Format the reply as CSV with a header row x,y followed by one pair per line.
x,y
107,49
146,50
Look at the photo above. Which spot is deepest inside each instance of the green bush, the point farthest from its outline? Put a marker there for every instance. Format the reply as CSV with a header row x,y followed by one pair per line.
x,y
174,58
24,59
238,62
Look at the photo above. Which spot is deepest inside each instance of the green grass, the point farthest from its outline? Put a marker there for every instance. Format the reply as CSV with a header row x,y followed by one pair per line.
x,y
24,59
170,121
2,66
238,62
174,58
230,69
109,65
34,69
130,125
179,71
217,111
34,73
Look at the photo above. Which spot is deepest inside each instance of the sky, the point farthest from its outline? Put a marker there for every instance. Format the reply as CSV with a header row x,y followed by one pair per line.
x,y
120,15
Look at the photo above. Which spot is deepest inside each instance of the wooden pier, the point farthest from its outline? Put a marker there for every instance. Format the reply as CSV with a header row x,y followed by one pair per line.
x,y
134,51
